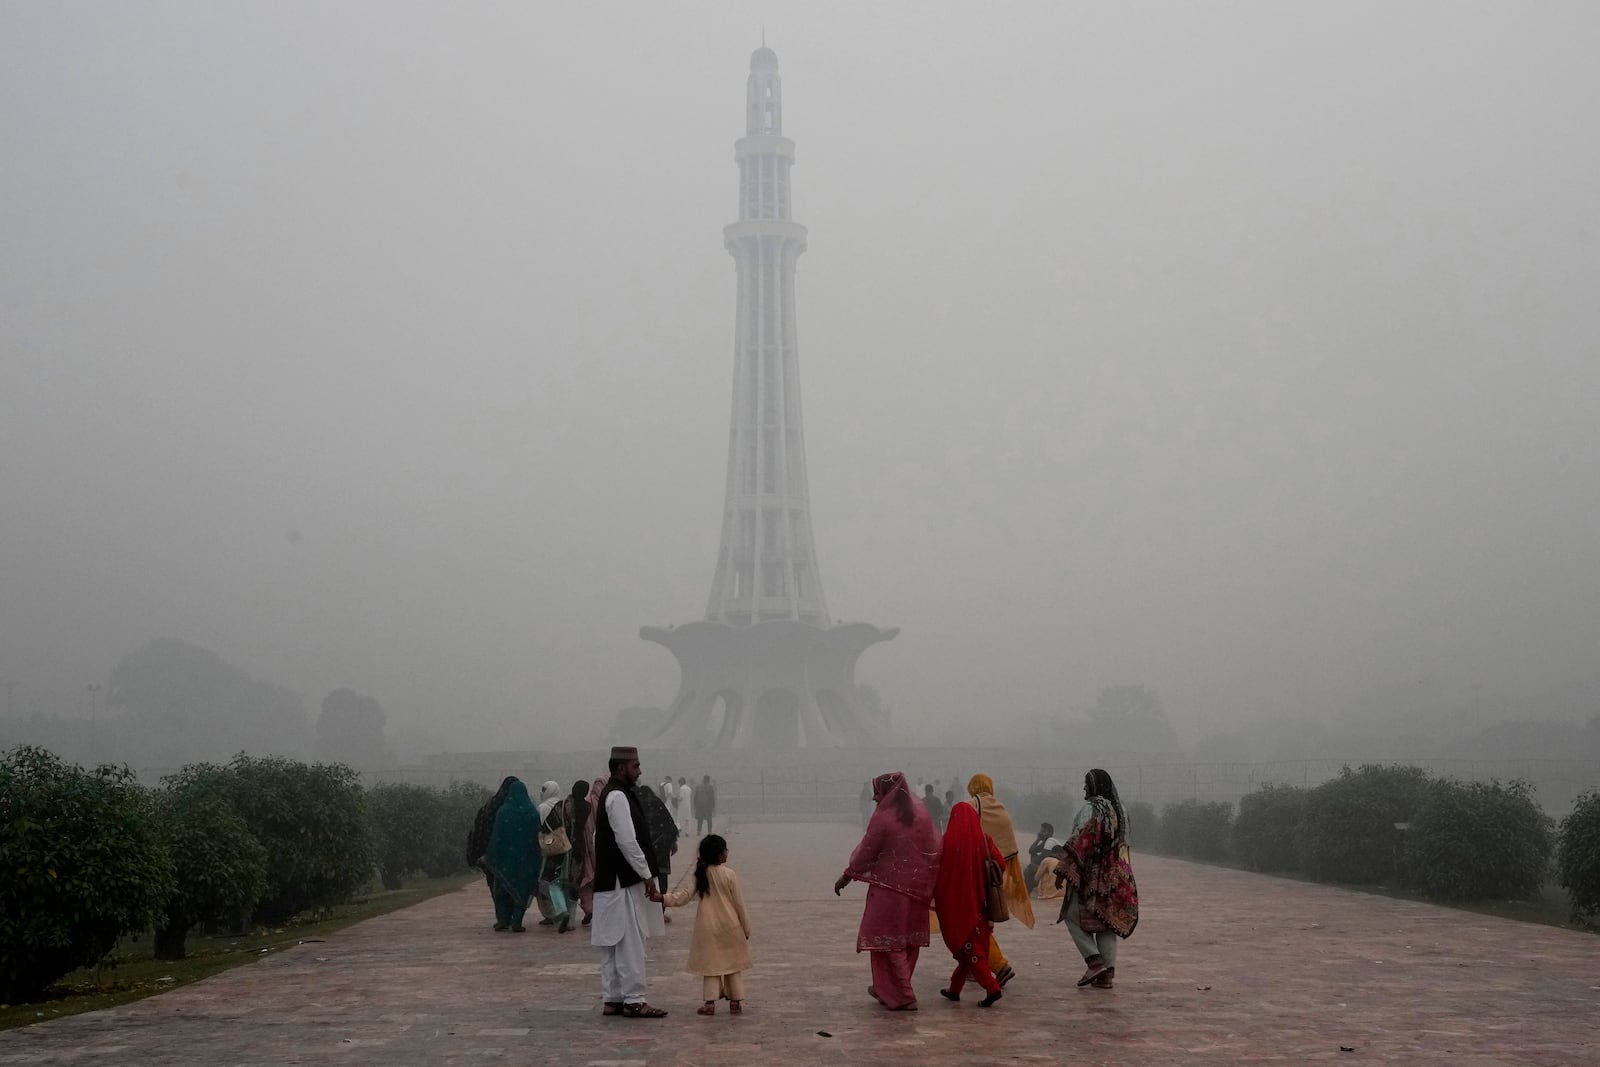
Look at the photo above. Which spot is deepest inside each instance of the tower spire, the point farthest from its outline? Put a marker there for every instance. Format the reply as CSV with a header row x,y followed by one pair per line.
x,y
765,666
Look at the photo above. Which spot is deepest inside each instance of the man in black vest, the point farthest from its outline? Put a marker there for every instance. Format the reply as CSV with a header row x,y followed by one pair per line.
x,y
626,901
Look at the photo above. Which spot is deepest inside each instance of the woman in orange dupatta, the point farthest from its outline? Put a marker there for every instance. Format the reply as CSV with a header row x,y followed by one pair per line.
x,y
997,824
958,899
898,858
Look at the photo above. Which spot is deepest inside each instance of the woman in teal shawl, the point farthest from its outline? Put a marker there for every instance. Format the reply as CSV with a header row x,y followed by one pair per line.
x,y
513,859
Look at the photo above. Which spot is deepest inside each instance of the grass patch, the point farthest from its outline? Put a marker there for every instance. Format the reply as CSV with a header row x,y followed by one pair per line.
x,y
131,973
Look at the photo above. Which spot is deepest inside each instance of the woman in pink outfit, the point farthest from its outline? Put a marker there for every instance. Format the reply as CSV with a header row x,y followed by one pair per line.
x,y
898,858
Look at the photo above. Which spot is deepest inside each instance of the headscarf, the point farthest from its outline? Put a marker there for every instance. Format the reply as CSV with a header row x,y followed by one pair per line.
x,y
997,824
959,890
549,795
513,856
586,880
900,850
483,822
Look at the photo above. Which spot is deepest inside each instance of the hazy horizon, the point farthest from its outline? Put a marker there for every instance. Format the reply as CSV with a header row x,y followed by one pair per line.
x,y
1247,352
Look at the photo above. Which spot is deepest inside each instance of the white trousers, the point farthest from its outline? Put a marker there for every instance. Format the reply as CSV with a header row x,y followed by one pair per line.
x,y
622,968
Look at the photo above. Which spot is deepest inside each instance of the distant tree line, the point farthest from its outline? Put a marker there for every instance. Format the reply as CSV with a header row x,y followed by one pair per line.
x,y
1385,825
91,856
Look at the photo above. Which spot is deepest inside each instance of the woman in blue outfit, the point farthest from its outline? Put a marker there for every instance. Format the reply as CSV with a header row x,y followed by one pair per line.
x,y
513,859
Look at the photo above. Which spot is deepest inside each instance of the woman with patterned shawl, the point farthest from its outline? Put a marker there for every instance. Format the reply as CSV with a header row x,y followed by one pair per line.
x,y
513,858
958,899
997,824
586,877
898,858
1102,902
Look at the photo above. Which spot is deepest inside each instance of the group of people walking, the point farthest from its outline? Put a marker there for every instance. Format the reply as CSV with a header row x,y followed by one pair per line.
x,y
971,877
604,848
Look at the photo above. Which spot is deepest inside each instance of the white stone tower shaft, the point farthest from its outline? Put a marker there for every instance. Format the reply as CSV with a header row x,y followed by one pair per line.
x,y
767,566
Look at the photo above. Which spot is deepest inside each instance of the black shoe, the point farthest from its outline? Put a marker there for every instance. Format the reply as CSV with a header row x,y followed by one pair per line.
x,y
1005,974
946,994
988,1001
500,927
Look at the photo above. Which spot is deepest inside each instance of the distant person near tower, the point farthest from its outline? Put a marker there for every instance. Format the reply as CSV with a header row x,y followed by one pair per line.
x,y
705,804
624,891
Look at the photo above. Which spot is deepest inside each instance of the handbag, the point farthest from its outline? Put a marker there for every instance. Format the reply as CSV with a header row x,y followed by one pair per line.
x,y
995,908
554,842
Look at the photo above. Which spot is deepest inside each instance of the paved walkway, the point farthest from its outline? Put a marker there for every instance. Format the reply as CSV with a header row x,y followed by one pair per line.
x,y
1226,968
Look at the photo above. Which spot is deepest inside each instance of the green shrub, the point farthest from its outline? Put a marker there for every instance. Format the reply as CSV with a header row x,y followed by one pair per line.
x,y
83,865
409,821
313,821
221,866
1143,826
1264,832
1348,832
1578,857
1471,841
459,802
1196,830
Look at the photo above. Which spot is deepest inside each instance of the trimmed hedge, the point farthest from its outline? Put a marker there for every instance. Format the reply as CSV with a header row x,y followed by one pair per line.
x,y
1348,832
1198,830
1473,841
1264,832
409,823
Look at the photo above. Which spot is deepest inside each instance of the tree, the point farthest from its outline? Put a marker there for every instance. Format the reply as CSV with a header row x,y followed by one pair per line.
x,y
186,699
83,862
1348,834
1578,858
350,729
313,821
1479,841
1130,721
220,865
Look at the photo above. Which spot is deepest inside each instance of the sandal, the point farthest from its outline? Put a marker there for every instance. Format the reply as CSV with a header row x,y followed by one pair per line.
x,y
1104,979
643,1011
708,1008
613,1007
1097,967
735,1007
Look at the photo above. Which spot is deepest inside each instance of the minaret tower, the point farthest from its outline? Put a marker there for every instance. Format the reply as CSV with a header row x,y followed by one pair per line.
x,y
766,666
767,568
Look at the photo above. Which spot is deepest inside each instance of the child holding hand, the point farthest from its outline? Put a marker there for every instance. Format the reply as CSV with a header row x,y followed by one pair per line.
x,y
720,949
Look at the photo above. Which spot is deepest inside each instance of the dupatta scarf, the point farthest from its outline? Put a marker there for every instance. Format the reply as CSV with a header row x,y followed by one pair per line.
x,y
997,824
1097,868
959,890
900,850
586,879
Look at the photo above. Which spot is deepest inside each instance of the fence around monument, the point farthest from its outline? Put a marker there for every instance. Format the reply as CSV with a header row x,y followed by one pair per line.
x,y
811,784
831,783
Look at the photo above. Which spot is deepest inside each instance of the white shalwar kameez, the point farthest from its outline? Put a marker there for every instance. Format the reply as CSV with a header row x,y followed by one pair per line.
x,y
623,918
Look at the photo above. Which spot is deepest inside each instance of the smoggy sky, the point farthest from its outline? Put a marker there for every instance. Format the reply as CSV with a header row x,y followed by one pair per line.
x,y
1243,350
